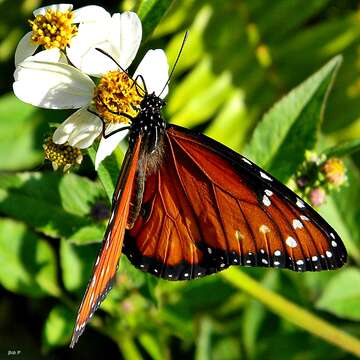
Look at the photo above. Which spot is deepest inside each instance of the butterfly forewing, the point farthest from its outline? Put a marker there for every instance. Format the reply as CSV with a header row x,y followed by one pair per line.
x,y
107,262
206,208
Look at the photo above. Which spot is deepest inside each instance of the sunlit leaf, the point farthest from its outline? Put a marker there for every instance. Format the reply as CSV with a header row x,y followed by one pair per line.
x,y
27,262
150,13
342,297
49,202
58,327
18,126
290,127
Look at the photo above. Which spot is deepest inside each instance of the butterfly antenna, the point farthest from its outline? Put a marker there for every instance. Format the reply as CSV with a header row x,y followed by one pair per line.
x,y
176,61
120,67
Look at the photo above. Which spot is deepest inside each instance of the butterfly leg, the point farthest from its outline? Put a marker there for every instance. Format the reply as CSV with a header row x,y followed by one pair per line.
x,y
106,136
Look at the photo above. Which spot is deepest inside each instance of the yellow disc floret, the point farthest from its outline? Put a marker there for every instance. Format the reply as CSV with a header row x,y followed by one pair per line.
x,y
335,172
116,93
54,29
63,156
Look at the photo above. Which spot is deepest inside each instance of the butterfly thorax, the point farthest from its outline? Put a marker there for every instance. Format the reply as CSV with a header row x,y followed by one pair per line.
x,y
149,121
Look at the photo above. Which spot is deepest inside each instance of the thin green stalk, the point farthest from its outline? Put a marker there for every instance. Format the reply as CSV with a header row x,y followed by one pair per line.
x,y
292,312
128,347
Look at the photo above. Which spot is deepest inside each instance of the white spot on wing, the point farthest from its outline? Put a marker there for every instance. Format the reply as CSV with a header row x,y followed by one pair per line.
x,y
314,258
277,253
246,160
297,224
291,242
268,192
303,217
264,176
332,235
300,262
329,254
300,203
334,244
264,261
266,201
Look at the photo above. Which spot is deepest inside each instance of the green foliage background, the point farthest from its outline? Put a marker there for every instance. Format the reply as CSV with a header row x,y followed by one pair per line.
x,y
241,58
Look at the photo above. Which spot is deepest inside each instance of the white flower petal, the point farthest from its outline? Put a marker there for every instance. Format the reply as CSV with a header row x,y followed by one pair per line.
x,y
90,13
55,7
119,36
125,37
52,85
82,51
80,129
107,146
50,55
25,48
154,68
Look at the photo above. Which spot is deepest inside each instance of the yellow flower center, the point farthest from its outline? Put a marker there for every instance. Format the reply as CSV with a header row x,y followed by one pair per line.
x,y
335,172
54,29
61,155
116,93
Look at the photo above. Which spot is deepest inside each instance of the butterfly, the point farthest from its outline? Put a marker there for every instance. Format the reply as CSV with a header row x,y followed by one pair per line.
x,y
186,206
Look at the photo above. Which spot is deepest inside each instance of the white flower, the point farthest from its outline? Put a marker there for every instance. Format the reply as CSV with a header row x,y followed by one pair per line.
x,y
54,28
121,40
61,86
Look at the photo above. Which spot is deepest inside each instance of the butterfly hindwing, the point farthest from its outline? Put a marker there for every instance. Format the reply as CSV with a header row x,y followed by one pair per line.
x,y
207,207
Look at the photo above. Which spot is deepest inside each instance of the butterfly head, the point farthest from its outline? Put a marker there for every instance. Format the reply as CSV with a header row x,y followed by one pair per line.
x,y
152,103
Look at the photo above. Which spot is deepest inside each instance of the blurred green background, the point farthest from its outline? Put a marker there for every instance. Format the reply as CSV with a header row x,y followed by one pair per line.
x,y
241,57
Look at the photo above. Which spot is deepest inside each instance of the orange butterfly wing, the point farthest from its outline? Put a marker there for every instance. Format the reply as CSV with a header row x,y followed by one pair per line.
x,y
207,208
107,262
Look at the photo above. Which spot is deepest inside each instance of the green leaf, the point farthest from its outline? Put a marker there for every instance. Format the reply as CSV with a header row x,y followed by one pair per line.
x,y
27,262
109,169
343,149
231,125
78,194
58,327
55,204
76,264
200,95
290,127
17,134
150,13
342,295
